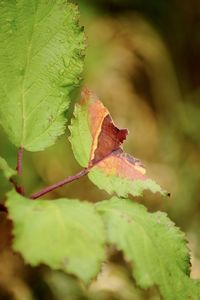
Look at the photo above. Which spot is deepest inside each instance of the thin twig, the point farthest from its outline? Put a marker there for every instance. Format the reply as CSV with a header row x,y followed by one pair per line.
x,y
69,179
60,183
19,161
20,188
17,188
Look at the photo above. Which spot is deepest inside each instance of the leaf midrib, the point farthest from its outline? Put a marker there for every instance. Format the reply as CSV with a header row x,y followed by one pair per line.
x,y
27,63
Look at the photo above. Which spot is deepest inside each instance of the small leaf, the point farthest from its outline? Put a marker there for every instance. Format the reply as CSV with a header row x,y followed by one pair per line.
x,y
153,244
96,143
41,60
63,234
7,171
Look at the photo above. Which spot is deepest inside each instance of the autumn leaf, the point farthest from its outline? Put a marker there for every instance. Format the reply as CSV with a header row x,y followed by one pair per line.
x,y
106,137
97,144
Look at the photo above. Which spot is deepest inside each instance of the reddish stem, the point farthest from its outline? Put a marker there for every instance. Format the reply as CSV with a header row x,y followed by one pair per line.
x,y
17,188
60,183
19,161
20,188
69,179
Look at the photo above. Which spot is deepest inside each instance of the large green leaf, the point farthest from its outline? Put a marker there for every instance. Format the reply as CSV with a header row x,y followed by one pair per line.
x,y
63,234
153,244
41,59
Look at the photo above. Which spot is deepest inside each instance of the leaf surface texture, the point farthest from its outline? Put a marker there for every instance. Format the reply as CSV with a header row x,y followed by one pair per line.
x,y
41,59
155,248
63,234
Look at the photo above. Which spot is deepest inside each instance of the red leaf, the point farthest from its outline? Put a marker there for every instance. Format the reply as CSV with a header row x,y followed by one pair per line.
x,y
106,136
109,139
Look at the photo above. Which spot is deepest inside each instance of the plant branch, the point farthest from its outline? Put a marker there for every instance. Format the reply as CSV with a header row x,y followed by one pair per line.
x,y
17,188
20,188
60,183
19,161
69,179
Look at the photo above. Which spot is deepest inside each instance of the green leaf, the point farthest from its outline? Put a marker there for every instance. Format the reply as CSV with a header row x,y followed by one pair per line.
x,y
41,59
153,244
7,171
122,186
81,138
63,234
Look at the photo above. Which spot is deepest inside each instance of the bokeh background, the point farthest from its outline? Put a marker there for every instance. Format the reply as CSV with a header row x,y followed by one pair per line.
x,y
143,61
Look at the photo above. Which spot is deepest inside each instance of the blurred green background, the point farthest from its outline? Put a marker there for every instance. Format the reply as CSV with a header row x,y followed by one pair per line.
x,y
143,61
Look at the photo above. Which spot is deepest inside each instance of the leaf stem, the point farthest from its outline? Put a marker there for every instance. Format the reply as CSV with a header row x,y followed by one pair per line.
x,y
69,179
19,161
19,169
60,183
17,188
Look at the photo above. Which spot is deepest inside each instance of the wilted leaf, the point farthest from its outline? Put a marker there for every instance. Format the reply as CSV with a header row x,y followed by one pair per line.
x,y
156,248
41,59
63,234
96,143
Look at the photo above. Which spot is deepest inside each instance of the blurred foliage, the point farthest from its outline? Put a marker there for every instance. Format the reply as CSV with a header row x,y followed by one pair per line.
x,y
143,61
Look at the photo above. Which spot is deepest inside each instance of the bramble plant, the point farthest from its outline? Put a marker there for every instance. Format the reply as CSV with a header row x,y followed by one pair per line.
x,y
41,61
